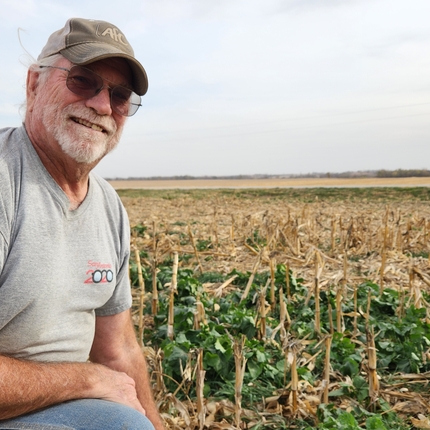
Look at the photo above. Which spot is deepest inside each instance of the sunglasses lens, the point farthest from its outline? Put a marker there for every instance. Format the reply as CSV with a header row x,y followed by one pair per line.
x,y
86,83
83,82
120,99
124,101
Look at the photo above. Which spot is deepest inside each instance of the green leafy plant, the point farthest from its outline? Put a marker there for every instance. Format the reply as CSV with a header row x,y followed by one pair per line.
x,y
401,342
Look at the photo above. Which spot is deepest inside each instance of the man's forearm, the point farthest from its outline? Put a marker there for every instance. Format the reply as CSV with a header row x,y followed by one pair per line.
x,y
26,386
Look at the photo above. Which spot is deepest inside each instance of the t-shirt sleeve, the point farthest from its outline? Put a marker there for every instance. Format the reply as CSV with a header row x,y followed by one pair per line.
x,y
6,209
3,249
121,298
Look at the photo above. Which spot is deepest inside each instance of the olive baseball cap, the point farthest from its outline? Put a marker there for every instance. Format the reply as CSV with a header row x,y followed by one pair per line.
x,y
83,41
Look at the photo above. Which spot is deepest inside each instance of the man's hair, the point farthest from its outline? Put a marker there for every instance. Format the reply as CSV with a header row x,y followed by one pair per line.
x,y
44,73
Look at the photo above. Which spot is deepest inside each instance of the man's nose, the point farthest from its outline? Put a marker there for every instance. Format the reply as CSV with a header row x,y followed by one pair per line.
x,y
101,102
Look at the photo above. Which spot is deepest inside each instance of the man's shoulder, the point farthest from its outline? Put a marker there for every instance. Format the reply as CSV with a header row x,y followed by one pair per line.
x,y
105,190
10,174
8,136
13,140
103,185
106,200
12,143
5,131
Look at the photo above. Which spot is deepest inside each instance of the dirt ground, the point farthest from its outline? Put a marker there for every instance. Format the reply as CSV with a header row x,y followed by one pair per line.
x,y
356,240
271,183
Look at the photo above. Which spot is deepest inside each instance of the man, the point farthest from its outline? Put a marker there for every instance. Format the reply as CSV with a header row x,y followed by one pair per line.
x,y
68,352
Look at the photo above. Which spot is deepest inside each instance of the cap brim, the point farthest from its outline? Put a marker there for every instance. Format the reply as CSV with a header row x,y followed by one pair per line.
x,y
83,54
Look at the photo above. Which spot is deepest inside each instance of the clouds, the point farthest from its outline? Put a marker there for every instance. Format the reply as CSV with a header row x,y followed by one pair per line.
x,y
242,87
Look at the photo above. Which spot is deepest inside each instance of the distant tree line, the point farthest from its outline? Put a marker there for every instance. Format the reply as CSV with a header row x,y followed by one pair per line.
x,y
402,173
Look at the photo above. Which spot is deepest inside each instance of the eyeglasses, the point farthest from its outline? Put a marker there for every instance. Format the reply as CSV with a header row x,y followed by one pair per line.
x,y
85,83
99,275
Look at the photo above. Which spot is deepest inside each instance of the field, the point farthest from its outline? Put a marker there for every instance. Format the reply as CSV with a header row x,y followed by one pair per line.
x,y
266,307
270,183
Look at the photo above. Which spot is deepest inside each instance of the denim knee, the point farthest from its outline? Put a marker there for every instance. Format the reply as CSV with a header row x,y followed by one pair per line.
x,y
85,414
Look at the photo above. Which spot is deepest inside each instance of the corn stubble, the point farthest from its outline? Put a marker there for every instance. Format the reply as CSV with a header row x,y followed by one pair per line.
x,y
329,246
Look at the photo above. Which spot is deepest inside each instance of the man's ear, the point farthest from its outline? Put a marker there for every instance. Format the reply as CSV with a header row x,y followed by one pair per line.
x,y
32,85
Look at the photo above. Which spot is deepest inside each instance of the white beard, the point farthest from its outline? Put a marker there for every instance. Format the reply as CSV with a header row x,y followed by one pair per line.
x,y
80,143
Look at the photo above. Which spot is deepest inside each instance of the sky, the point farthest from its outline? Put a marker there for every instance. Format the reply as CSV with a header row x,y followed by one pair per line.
x,y
243,87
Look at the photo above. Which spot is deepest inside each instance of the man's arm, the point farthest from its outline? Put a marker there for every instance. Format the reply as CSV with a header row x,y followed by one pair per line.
x,y
116,347
26,386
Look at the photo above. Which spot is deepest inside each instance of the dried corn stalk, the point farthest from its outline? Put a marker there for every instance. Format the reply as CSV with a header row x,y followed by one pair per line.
x,y
326,380
154,306
200,383
415,291
333,232
199,315
330,315
251,279
284,317
158,370
372,373
196,253
382,271
369,302
339,315
355,310
141,293
272,284
294,382
317,295
173,285
262,310
240,363
287,280
340,291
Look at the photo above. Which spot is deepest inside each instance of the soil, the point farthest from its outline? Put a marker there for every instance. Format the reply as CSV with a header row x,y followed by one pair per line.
x,y
271,183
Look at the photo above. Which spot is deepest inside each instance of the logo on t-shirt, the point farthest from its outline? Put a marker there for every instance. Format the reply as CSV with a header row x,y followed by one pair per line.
x,y
98,273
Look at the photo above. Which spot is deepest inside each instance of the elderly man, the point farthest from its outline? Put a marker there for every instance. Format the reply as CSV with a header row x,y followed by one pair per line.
x,y
68,353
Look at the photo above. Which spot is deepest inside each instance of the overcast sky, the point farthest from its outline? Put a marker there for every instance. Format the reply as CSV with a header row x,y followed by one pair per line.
x,y
253,86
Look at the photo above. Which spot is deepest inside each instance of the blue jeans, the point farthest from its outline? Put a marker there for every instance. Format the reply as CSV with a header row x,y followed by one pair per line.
x,y
86,414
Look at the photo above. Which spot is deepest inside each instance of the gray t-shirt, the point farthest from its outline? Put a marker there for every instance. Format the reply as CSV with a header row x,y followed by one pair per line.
x,y
58,268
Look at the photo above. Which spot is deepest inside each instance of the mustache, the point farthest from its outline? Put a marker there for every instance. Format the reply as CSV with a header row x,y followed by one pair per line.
x,y
108,124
